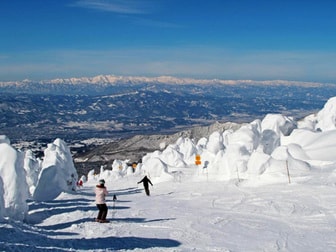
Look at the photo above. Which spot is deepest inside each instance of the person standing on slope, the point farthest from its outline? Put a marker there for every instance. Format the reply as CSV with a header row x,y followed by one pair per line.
x,y
101,193
145,182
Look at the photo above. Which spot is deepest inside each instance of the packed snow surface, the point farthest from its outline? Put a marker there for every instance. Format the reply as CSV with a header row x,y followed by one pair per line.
x,y
268,186
183,215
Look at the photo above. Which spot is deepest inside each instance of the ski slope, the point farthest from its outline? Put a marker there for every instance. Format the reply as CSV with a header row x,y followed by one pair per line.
x,y
192,214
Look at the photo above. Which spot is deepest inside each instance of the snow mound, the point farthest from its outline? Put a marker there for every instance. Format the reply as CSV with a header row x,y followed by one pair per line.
x,y
314,145
13,186
327,116
58,172
4,139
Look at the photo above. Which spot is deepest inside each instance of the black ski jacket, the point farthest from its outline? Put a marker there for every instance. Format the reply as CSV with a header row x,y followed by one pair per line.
x,y
145,181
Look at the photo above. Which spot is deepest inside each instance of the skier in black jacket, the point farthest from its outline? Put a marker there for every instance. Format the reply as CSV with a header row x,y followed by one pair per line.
x,y
145,182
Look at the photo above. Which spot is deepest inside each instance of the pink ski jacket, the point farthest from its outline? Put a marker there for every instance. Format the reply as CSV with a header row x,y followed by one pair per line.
x,y
101,192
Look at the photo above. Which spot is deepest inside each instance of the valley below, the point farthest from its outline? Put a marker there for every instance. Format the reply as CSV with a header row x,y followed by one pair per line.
x,y
126,120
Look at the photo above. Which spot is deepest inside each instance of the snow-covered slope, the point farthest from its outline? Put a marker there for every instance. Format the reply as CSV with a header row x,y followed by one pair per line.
x,y
183,215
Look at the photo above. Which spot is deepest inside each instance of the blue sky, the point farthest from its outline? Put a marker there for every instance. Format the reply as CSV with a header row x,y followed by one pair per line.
x,y
225,39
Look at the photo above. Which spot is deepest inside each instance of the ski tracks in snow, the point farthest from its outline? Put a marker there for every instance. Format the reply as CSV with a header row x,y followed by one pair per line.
x,y
195,217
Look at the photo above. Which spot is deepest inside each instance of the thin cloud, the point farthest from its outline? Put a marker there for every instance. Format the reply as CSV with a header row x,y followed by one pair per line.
x,y
156,23
135,8
116,6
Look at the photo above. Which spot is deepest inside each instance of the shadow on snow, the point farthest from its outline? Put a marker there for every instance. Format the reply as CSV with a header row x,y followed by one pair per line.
x,y
29,239
16,236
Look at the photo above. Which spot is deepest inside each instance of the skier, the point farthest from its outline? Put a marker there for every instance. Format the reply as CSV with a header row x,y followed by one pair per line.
x,y
101,192
145,182
79,183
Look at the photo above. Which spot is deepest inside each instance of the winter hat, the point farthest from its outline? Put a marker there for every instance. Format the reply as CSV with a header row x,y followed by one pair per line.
x,y
101,181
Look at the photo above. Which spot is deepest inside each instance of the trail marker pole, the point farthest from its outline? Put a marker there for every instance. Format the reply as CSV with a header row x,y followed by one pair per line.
x,y
289,180
114,207
205,169
198,162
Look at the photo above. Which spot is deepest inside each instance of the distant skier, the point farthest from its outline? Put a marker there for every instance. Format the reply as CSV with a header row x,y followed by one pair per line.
x,y
101,192
79,183
145,182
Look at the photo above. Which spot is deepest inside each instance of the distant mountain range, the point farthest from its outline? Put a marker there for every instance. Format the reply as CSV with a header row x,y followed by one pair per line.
x,y
102,83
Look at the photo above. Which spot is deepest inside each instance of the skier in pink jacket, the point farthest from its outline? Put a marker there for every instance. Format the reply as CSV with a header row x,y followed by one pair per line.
x,y
101,192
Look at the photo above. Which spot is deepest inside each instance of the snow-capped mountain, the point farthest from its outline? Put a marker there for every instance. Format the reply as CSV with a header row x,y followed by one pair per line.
x,y
103,81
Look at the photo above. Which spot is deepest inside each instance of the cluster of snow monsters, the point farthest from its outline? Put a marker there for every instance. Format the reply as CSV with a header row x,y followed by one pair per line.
x,y
276,149
23,176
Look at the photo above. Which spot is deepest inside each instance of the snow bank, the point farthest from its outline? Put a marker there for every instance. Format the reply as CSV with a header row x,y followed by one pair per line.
x,y
314,145
326,118
58,172
279,124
